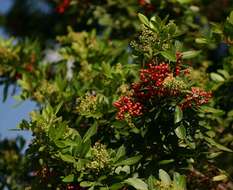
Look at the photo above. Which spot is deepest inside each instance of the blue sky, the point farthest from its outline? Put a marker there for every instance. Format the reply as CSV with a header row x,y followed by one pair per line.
x,y
10,114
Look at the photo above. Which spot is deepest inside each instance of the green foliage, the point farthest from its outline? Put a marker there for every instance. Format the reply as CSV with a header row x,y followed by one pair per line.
x,y
111,116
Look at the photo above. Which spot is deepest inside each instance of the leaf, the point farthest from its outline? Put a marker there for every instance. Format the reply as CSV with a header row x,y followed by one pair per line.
x,y
129,161
230,18
67,158
201,40
184,1
216,77
151,182
180,132
162,162
81,164
164,177
86,183
136,183
179,181
214,111
125,169
190,54
219,146
178,115
144,20
58,107
120,153
90,132
221,177
84,148
69,178
116,186
168,55
224,73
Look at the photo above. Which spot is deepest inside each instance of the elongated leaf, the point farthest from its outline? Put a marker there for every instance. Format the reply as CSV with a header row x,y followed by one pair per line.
x,y
67,158
224,73
190,54
230,18
179,181
184,1
136,183
90,132
164,177
216,77
151,183
180,132
144,20
178,115
129,161
220,177
116,186
163,162
201,41
214,111
120,153
168,55
219,146
69,178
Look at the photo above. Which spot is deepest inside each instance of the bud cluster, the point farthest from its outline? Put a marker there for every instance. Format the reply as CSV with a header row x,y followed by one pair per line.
x,y
100,158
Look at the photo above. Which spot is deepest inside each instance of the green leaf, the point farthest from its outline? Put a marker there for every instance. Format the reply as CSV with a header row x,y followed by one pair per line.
x,y
129,161
144,20
151,183
180,132
221,177
214,111
90,132
224,73
81,164
230,18
163,162
116,186
84,148
216,77
86,183
164,177
190,54
120,153
184,1
67,158
178,115
136,183
219,146
201,40
179,181
69,178
169,55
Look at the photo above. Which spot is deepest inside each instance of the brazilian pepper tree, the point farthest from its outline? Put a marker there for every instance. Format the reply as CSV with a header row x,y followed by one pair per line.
x,y
126,101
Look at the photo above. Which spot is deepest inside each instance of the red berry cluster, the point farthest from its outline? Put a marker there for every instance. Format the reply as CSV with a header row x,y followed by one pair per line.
x,y
63,6
151,81
159,80
127,105
155,74
197,97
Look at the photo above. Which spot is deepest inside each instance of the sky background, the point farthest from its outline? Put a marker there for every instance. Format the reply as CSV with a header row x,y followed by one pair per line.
x,y
12,111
